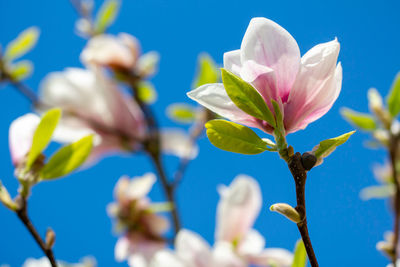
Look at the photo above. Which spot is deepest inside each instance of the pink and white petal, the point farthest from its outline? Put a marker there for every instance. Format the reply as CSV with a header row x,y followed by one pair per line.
x,y
318,106
252,244
20,136
225,256
140,186
214,97
156,224
192,248
232,62
166,258
122,248
178,143
276,257
237,209
270,45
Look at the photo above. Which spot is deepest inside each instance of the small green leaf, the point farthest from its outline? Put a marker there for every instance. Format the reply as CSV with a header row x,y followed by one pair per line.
x,y
42,135
207,71
106,15
181,112
21,70
147,93
246,97
67,159
361,120
300,255
234,137
379,191
326,147
393,99
24,42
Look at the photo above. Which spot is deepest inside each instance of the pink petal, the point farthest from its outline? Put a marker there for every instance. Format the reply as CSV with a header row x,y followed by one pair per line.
x,y
20,136
193,249
238,208
232,62
268,44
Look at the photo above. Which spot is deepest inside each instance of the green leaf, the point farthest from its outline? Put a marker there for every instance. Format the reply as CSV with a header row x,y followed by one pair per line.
x,y
181,112
21,70
326,147
393,99
42,135
246,97
234,137
106,15
24,42
363,121
67,159
300,255
207,71
147,92
379,191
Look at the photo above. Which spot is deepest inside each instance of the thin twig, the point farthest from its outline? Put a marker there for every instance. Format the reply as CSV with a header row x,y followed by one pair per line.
x,y
393,159
23,216
300,175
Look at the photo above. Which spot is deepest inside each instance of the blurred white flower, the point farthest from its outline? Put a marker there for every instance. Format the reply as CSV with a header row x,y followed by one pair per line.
x,y
142,228
91,103
44,262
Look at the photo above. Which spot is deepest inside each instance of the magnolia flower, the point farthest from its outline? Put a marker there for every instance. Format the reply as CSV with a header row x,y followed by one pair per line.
x,y
20,136
119,52
237,211
142,227
93,104
269,59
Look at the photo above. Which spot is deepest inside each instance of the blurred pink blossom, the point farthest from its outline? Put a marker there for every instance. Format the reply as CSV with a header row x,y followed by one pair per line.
x,y
92,103
269,59
142,228
20,136
121,52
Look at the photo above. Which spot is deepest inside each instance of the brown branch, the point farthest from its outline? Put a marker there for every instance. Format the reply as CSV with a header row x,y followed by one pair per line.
x,y
393,159
22,214
300,175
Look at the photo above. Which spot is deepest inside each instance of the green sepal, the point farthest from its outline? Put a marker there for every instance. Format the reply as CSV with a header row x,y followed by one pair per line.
x,y
106,15
207,71
67,159
21,45
393,99
234,137
326,147
182,113
300,255
362,121
246,97
43,134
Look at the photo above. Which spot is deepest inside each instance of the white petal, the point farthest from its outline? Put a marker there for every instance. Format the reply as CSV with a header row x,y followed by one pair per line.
x,y
148,63
214,97
238,208
139,187
192,248
166,258
272,46
232,61
252,244
178,143
273,257
20,136
224,256
121,250
42,262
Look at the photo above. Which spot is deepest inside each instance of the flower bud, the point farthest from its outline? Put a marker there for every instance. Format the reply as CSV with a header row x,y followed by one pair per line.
x,y
6,199
287,211
376,106
50,238
308,160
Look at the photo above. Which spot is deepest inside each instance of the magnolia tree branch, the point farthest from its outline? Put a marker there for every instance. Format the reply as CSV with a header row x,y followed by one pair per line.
x,y
393,159
300,175
22,214
153,147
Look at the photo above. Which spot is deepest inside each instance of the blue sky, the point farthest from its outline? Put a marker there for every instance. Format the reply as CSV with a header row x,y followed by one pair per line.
x,y
344,229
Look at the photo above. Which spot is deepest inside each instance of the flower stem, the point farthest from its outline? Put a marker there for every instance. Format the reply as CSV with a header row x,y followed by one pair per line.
x,y
393,159
22,214
300,175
